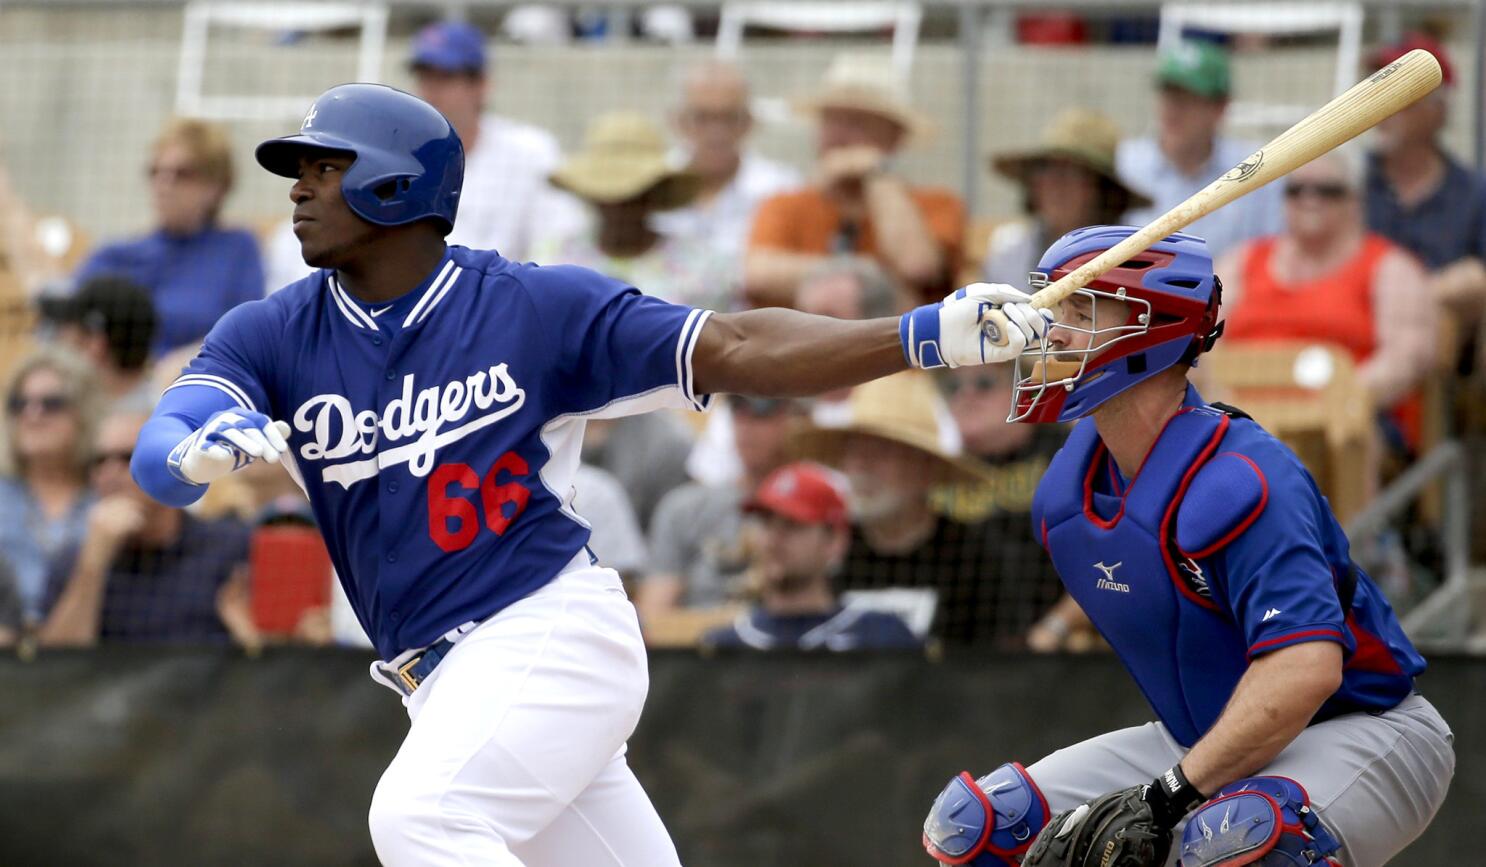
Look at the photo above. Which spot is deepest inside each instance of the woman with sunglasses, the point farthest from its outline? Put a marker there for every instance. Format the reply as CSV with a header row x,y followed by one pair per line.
x,y
194,269
1327,279
51,407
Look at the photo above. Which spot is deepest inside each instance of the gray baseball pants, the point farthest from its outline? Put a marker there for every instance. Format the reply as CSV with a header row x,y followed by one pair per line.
x,y
1375,779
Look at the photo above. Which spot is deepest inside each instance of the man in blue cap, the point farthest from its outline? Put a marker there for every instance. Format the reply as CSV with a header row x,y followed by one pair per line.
x,y
507,199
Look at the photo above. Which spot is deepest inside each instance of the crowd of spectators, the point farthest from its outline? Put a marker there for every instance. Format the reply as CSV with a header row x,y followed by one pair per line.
x,y
896,514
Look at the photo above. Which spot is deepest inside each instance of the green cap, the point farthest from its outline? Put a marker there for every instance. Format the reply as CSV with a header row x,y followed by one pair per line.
x,y
1198,66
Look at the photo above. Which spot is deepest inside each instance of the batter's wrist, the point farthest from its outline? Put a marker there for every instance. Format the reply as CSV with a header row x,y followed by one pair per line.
x,y
1171,797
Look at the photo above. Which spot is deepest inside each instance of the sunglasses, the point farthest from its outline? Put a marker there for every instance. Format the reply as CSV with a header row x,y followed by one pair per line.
x,y
123,455
1330,192
979,383
49,404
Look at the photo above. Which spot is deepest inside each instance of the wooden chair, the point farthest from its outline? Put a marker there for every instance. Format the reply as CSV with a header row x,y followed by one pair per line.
x,y
17,323
1308,396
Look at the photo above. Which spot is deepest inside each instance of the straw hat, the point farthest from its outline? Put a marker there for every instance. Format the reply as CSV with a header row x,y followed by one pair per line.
x,y
868,84
1078,135
904,408
623,156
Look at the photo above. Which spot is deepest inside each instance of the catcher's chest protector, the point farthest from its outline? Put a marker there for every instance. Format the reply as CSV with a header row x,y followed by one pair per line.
x,y
1164,613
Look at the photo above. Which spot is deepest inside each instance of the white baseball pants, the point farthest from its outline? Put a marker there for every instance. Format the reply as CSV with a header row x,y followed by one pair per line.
x,y
515,757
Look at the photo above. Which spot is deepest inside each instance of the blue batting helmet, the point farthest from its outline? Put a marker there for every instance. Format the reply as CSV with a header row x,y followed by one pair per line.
x,y
1166,313
409,161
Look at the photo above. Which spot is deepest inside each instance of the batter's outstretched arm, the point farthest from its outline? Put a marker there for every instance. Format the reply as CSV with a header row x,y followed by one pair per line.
x,y
777,352
1274,701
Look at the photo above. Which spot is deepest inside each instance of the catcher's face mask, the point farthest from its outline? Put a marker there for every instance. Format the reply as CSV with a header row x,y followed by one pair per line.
x,y
1087,324
1144,315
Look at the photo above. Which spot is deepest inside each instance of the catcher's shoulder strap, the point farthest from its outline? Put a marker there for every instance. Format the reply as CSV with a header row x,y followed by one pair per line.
x,y
1230,410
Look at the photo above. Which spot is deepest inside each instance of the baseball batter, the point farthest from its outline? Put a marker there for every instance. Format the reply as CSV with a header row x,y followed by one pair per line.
x,y
431,401
1289,732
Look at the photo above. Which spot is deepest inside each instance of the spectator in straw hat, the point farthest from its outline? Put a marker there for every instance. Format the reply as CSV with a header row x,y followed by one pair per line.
x,y
1187,152
895,452
799,525
858,205
1067,181
623,174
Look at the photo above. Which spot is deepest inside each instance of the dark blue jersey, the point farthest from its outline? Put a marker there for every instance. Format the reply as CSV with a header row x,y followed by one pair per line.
x,y
437,435
1220,549
840,630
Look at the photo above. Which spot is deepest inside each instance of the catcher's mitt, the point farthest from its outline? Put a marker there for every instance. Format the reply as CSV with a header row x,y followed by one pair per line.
x,y
1114,830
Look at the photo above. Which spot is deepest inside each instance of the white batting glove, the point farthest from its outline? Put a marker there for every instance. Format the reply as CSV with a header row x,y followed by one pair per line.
x,y
230,440
952,334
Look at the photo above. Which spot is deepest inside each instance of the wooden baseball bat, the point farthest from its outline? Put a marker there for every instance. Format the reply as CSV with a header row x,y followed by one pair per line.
x,y
1390,89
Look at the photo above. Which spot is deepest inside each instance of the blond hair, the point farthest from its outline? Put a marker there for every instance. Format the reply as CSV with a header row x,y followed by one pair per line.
x,y
78,383
208,143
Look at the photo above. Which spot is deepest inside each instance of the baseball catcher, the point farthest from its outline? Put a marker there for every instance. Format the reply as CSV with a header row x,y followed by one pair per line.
x,y
1288,730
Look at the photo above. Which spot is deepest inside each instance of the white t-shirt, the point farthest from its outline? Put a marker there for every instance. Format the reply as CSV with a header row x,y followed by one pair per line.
x,y
506,203
724,222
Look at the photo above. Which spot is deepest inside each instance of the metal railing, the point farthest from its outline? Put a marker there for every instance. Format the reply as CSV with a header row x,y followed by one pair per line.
x,y
1443,619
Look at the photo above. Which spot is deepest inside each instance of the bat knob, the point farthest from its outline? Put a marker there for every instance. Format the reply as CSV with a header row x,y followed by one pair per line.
x,y
996,328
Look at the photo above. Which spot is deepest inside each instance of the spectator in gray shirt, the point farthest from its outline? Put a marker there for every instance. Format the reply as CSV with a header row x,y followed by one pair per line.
x,y
646,453
695,551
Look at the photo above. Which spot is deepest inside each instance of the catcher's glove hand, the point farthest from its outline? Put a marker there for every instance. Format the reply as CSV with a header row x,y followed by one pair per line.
x,y
1114,830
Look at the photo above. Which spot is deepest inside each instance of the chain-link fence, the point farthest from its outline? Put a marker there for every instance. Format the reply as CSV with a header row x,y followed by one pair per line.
x,y
90,88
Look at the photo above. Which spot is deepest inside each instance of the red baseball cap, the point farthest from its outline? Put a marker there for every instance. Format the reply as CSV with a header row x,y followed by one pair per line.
x,y
1386,54
802,492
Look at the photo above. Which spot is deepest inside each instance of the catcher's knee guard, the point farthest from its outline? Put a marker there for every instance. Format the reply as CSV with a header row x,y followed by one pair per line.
x,y
1265,821
986,822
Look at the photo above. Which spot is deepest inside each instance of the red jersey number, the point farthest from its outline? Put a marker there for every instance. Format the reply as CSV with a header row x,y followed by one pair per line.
x,y
453,520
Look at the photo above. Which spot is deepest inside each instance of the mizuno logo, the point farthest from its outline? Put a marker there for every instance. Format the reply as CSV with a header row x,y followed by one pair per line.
x,y
1270,613
419,415
1108,582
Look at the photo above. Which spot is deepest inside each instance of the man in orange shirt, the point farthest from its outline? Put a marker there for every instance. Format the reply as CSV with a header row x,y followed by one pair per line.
x,y
857,205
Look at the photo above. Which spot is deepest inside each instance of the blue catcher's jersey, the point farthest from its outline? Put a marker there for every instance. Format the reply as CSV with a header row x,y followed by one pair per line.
x,y
437,435
1219,550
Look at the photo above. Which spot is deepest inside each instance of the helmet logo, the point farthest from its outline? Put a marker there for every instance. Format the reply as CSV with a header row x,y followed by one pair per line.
x,y
309,119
